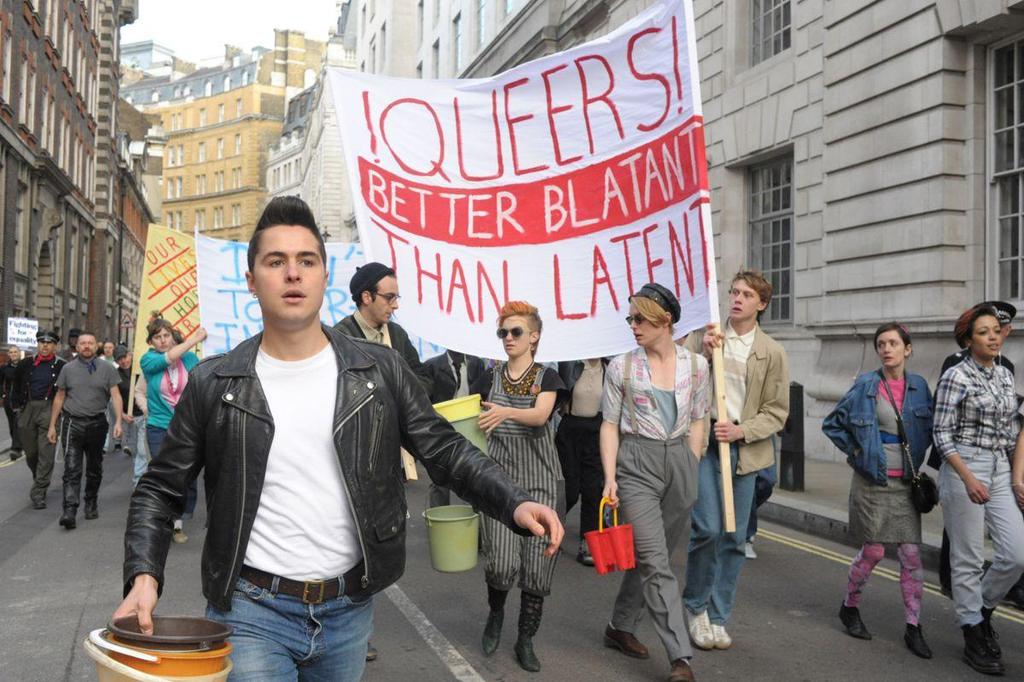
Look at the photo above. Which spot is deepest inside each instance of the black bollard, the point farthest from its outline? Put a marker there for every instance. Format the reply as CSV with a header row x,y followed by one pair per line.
x,y
791,457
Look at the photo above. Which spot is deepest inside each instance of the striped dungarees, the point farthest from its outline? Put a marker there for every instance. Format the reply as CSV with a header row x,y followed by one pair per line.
x,y
528,456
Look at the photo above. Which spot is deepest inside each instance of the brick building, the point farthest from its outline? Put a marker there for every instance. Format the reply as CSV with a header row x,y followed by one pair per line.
x,y
51,64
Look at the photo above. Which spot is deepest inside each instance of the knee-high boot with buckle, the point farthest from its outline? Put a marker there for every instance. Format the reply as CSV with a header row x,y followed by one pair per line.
x,y
530,611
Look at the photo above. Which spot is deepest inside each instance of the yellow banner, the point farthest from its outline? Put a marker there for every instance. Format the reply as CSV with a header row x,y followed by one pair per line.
x,y
169,286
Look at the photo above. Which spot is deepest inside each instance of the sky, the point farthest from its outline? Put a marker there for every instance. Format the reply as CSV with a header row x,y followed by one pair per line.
x,y
198,29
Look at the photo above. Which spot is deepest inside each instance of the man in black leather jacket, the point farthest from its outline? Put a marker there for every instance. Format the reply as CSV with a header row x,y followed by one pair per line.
x,y
263,474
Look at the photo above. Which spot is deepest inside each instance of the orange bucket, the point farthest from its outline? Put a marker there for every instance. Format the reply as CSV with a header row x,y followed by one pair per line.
x,y
611,548
177,663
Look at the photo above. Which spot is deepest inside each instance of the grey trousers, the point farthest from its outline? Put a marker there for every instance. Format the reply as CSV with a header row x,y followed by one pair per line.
x,y
966,523
657,489
34,422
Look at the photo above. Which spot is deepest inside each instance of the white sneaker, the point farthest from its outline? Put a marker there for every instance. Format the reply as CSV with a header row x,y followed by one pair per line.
x,y
700,631
721,637
749,551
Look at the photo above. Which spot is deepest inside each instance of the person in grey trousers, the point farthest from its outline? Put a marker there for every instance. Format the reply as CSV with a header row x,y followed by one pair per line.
x,y
977,431
652,435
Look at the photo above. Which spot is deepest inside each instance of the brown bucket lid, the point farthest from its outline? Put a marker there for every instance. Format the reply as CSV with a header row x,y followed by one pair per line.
x,y
184,632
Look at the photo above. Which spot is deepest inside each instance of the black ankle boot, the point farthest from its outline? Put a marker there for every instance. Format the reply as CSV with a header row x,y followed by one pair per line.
x,y
850,616
530,611
977,653
991,636
91,509
914,640
67,519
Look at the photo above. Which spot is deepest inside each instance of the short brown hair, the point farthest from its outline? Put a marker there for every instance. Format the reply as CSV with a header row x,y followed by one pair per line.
x,y
159,324
756,281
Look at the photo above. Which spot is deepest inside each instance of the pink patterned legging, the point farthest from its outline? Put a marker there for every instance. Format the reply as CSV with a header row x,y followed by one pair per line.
x,y
911,576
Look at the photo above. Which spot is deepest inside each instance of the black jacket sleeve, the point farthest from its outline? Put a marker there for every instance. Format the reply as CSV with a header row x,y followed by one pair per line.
x,y
159,498
450,459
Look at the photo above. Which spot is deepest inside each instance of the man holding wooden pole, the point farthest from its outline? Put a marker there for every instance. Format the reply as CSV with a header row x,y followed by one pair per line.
x,y
751,375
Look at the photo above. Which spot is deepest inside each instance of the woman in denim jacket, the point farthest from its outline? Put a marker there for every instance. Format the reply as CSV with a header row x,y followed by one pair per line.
x,y
864,426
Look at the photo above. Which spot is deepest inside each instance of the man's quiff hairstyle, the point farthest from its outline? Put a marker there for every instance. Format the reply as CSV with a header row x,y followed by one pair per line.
x,y
287,210
756,281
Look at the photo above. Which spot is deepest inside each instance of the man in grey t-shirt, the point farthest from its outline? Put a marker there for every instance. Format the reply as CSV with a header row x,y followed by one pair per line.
x,y
84,386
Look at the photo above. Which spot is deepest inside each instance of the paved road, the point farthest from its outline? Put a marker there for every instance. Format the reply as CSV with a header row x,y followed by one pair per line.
x,y
56,585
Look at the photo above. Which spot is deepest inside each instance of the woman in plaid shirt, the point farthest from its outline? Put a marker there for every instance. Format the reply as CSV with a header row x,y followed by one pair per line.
x,y
976,429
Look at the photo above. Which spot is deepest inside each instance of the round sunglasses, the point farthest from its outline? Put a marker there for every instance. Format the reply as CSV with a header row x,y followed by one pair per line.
x,y
516,332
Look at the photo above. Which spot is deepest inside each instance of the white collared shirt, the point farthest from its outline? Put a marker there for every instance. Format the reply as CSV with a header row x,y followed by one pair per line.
x,y
736,351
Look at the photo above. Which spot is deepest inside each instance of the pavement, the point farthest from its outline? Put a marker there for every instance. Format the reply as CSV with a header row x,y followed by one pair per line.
x,y
58,585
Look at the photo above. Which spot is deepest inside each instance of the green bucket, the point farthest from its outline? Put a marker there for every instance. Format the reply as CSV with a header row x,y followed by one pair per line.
x,y
463,414
471,431
453,532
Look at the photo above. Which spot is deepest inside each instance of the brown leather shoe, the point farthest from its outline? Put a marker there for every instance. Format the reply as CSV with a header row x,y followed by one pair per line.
x,y
625,642
681,671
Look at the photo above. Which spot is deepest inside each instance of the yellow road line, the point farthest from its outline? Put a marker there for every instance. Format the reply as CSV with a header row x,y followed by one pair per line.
x,y
8,463
879,570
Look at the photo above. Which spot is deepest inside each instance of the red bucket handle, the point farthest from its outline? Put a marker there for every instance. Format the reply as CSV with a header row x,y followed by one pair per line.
x,y
600,515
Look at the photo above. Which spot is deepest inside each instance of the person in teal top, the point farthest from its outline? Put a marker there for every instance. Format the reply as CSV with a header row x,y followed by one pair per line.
x,y
166,366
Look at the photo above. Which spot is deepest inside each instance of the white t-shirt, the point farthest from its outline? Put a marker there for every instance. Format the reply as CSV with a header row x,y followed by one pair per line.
x,y
304,528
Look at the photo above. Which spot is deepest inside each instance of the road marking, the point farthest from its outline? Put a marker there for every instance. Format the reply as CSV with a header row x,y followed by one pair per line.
x,y
8,463
449,655
879,570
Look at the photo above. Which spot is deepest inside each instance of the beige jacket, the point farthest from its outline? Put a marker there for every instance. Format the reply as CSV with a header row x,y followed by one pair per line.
x,y
767,403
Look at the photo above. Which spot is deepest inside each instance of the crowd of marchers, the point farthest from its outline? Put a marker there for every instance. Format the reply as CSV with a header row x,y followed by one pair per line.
x,y
306,506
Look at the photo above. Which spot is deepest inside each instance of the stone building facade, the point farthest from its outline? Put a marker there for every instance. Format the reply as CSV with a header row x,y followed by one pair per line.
x,y
54,64
309,160
220,123
868,155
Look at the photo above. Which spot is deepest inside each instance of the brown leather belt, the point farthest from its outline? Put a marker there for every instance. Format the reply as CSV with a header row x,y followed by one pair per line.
x,y
309,591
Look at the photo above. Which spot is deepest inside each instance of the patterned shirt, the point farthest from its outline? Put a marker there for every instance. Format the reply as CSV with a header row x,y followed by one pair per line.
x,y
976,406
692,402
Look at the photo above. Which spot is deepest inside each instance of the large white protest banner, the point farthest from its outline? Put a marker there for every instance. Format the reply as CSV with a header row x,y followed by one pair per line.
x,y
230,314
568,182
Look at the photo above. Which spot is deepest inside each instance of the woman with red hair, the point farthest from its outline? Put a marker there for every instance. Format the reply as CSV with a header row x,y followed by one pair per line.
x,y
521,439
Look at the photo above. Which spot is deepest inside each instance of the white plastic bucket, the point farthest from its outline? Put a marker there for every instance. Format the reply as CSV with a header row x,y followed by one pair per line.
x,y
109,670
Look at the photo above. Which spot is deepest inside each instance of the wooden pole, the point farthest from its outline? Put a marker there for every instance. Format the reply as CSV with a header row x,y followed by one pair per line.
x,y
724,455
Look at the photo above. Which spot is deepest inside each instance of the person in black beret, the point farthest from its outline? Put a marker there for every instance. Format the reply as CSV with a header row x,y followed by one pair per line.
x,y
70,353
34,387
374,289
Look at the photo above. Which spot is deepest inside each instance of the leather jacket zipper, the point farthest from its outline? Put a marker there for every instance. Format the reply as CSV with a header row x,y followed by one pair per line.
x,y
365,580
378,428
241,516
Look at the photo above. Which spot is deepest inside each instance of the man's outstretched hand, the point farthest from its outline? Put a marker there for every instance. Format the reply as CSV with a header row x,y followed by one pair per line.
x,y
540,521
140,602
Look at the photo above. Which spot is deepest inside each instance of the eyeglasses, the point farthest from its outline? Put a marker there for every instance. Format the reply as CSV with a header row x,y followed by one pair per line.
x,y
390,298
516,332
634,319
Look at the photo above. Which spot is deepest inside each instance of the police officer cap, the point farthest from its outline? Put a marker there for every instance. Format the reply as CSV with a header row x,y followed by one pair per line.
x,y
366,276
47,335
1004,310
663,297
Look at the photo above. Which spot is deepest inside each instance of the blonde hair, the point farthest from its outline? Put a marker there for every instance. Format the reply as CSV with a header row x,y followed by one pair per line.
x,y
651,311
524,310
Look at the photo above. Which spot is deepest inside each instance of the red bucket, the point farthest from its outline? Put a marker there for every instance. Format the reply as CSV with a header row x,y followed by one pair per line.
x,y
611,548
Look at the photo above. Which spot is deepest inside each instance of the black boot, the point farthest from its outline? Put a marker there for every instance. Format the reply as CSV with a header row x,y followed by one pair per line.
x,y
492,631
850,615
67,519
529,622
91,509
990,634
914,640
977,654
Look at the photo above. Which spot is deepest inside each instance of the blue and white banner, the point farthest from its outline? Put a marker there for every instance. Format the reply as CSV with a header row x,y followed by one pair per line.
x,y
230,314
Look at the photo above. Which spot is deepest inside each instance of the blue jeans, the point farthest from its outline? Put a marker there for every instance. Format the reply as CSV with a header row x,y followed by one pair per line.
x,y
764,484
277,637
134,438
155,437
716,557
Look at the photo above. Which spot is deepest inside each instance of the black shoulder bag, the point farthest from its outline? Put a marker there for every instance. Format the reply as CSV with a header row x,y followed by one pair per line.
x,y
924,494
